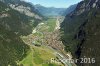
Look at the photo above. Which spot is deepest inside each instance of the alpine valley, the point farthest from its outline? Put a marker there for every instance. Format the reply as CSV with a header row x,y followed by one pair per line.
x,y
36,35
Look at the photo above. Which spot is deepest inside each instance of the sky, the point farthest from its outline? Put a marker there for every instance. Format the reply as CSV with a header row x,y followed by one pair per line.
x,y
55,3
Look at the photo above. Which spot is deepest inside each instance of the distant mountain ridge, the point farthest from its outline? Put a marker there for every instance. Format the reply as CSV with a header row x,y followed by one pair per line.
x,y
50,11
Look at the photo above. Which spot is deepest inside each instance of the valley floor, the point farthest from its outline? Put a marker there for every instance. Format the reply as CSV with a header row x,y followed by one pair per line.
x,y
46,48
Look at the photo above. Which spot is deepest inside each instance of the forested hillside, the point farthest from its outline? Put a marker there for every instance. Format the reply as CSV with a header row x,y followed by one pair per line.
x,y
13,24
80,31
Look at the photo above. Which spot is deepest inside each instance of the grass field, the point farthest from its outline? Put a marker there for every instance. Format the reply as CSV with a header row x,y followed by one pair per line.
x,y
51,23
37,56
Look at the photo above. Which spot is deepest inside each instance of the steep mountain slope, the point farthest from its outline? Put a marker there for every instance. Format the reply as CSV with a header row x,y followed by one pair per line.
x,y
12,48
13,24
81,32
50,11
22,16
69,9
23,7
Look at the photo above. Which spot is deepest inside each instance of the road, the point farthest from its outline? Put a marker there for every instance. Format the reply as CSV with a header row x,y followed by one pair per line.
x,y
57,24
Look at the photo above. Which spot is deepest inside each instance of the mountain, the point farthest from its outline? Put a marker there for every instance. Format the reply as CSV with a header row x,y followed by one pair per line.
x,y
50,11
69,9
24,14
17,18
23,7
81,34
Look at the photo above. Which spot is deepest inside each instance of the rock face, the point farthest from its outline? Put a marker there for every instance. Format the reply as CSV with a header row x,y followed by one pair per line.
x,y
81,32
23,7
86,5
